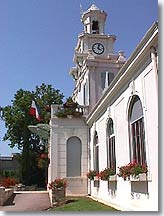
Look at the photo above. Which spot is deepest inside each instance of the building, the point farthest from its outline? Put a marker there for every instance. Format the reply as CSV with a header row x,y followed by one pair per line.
x,y
119,99
9,163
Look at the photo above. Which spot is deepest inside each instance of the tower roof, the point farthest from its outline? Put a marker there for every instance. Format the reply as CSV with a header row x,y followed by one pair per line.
x,y
93,9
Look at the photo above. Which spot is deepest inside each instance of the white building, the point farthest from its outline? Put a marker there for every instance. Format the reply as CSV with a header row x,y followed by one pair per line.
x,y
120,121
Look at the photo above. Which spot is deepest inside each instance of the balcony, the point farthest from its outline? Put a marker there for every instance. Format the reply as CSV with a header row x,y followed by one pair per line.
x,y
61,111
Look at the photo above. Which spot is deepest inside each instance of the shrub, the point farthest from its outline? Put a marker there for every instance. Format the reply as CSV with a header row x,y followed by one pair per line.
x,y
8,182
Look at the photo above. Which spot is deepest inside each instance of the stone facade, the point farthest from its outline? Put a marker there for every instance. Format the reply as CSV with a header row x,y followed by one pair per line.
x,y
63,129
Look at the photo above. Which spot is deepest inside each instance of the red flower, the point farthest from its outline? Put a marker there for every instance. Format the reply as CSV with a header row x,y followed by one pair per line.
x,y
8,182
91,174
58,183
43,156
133,169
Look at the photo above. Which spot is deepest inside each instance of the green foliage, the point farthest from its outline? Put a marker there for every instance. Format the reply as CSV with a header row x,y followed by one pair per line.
x,y
17,120
82,204
9,173
69,108
91,174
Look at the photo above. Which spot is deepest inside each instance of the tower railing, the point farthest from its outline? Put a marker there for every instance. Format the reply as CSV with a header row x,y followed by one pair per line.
x,y
82,109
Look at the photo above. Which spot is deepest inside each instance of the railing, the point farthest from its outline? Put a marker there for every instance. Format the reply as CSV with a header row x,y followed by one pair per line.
x,y
83,109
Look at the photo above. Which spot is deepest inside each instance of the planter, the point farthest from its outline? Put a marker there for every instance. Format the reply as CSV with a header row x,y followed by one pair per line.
x,y
96,178
140,177
126,178
134,178
113,178
70,105
58,195
143,177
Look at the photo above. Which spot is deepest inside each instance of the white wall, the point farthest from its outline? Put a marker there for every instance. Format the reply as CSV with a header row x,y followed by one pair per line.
x,y
126,194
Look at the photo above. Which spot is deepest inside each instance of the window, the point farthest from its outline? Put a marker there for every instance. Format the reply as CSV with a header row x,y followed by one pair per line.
x,y
137,132
111,155
74,157
85,94
106,79
95,27
96,152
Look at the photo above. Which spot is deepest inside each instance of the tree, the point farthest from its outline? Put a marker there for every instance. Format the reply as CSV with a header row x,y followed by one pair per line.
x,y
17,120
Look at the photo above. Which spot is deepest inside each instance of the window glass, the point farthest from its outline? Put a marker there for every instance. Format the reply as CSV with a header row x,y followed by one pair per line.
x,y
137,132
74,157
106,79
111,155
96,152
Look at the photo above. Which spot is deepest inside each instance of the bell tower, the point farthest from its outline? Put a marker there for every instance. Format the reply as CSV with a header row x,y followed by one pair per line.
x,y
94,20
96,63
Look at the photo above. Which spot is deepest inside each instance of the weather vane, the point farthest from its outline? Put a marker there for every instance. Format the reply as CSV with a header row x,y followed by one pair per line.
x,y
81,9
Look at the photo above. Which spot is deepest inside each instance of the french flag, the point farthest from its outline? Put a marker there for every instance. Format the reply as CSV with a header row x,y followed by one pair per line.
x,y
34,111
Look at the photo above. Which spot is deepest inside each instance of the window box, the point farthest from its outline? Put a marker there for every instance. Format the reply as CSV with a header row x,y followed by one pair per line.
x,y
96,178
113,178
142,177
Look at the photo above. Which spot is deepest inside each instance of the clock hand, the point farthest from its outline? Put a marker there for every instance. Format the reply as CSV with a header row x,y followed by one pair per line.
x,y
98,47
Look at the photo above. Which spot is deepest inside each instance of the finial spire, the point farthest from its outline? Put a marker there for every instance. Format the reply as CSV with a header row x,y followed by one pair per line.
x,y
81,9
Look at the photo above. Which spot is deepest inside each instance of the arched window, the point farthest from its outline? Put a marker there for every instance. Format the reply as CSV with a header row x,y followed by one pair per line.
x,y
106,79
137,132
96,152
73,157
95,27
111,155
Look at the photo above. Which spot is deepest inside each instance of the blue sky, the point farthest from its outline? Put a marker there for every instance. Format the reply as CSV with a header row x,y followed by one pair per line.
x,y
38,37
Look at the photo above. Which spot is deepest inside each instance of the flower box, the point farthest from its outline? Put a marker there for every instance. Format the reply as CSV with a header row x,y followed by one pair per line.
x,y
142,177
107,173
91,174
96,178
134,178
113,178
133,171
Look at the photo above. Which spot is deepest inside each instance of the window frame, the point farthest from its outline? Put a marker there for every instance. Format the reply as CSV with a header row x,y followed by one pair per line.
x,y
111,155
137,134
96,152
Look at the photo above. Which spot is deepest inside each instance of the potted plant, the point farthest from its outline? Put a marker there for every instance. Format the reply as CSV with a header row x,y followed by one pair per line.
x,y
61,114
69,110
70,103
58,187
107,173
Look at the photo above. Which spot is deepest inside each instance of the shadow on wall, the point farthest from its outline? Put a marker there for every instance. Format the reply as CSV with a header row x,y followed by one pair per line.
x,y
139,188
112,188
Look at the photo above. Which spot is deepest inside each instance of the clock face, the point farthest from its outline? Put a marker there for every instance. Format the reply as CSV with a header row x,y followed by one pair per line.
x,y
98,48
